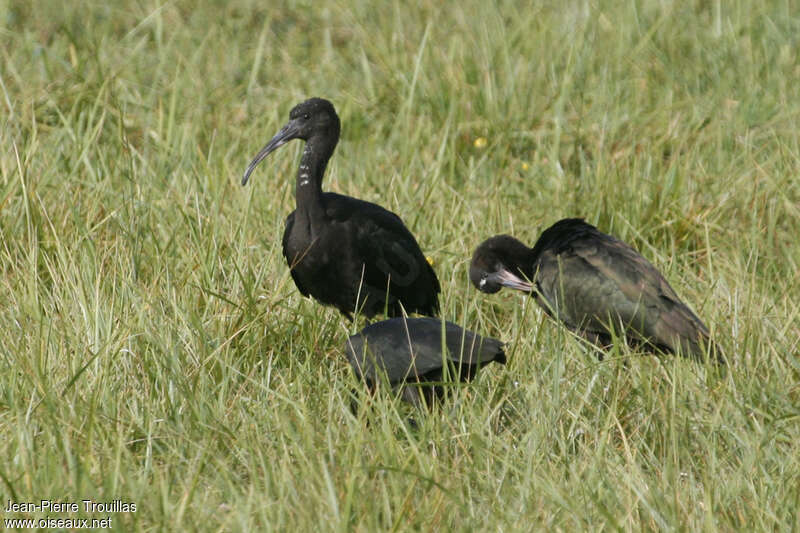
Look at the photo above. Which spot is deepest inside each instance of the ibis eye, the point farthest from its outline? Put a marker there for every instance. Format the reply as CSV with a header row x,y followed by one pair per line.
x,y
306,116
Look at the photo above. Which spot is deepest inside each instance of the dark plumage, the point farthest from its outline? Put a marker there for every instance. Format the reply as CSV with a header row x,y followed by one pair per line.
x,y
594,284
342,251
410,350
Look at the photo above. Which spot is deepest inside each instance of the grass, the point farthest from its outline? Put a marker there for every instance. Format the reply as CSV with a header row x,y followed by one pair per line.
x,y
154,350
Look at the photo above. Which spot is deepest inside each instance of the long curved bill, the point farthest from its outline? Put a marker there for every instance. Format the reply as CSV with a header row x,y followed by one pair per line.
x,y
506,278
287,133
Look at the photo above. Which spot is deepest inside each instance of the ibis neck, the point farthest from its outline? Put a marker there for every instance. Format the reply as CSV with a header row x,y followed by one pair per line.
x,y
517,257
526,265
308,188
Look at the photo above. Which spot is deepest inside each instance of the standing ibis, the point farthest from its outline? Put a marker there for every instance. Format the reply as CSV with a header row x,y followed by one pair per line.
x,y
596,285
345,252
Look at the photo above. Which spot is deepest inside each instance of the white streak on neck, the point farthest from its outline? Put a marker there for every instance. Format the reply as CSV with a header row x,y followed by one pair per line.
x,y
304,179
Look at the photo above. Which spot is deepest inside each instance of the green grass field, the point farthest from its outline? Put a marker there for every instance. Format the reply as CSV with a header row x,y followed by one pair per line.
x,y
154,349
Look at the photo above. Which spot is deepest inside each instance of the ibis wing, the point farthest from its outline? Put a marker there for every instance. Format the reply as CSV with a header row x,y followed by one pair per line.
x,y
388,347
393,263
412,348
599,284
469,348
